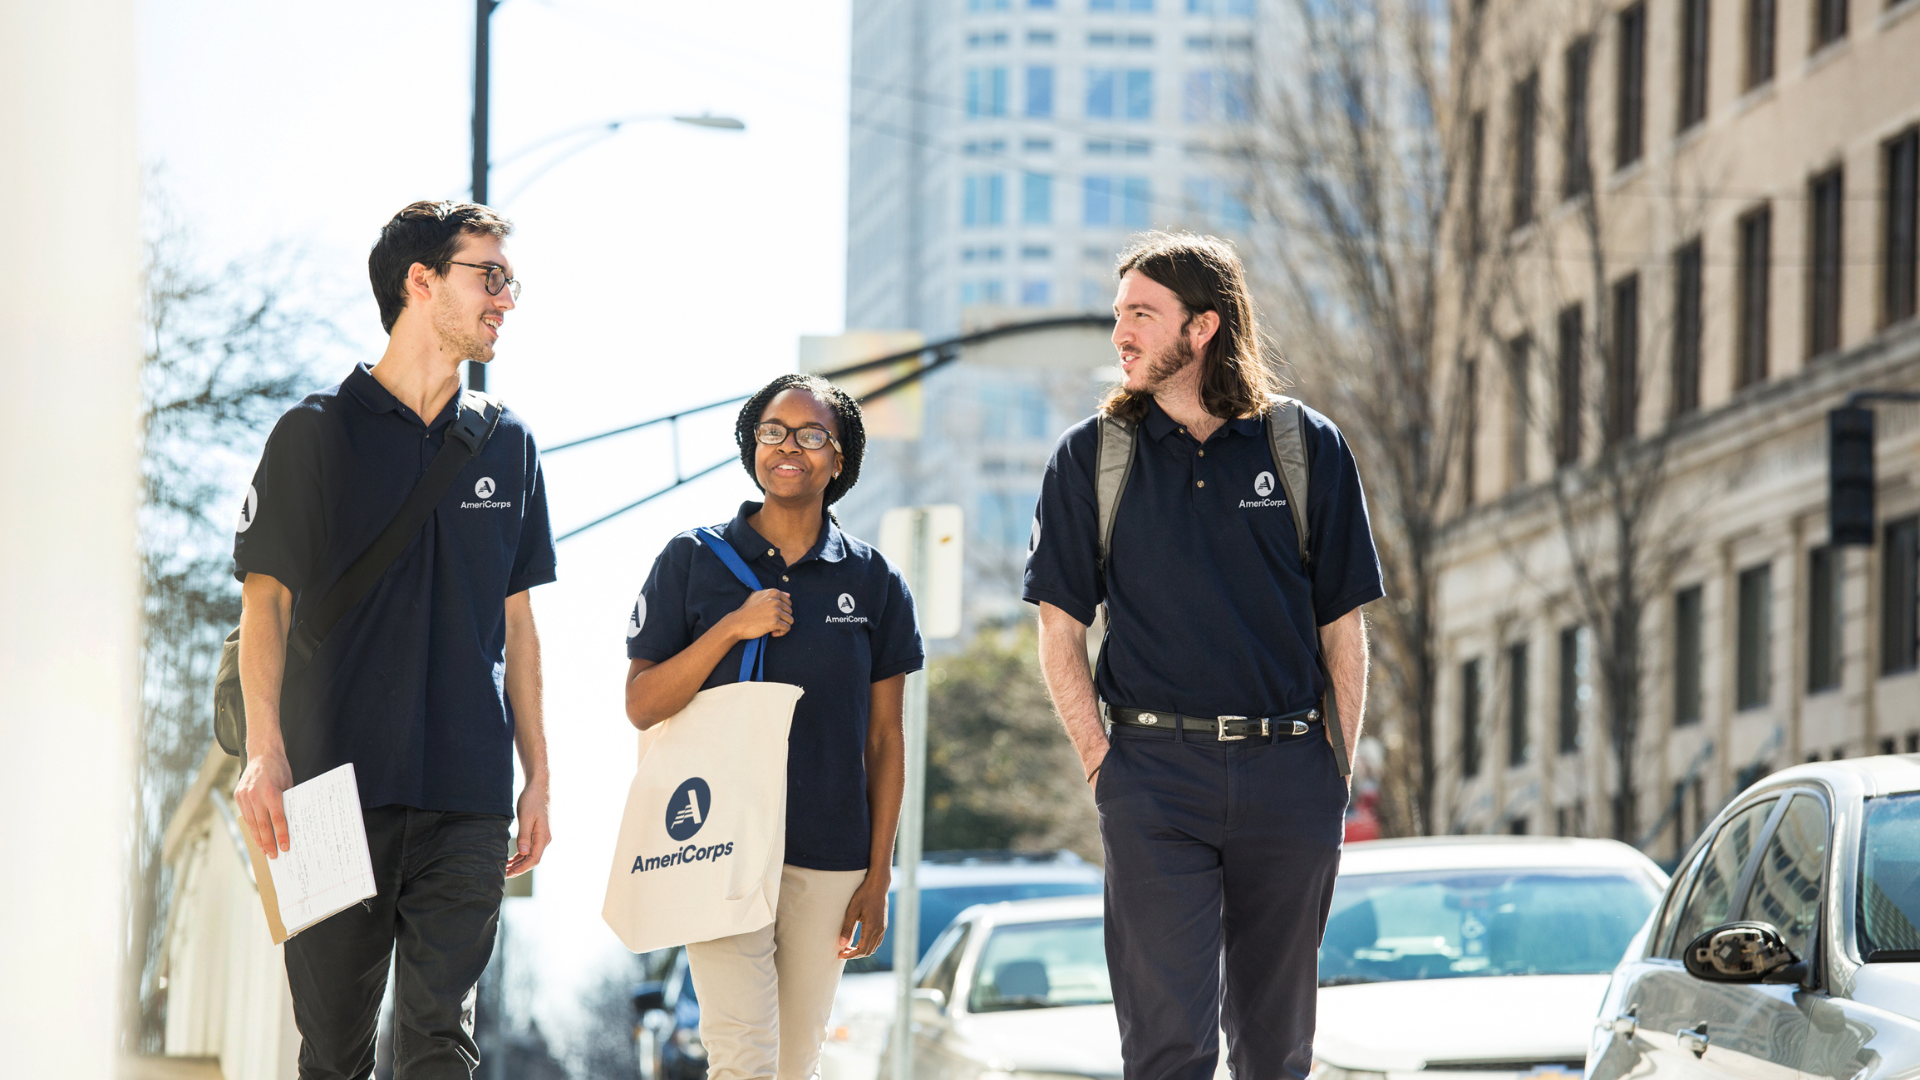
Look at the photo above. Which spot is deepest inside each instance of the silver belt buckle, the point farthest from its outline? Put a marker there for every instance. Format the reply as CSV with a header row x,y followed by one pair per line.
x,y
1220,729
1299,727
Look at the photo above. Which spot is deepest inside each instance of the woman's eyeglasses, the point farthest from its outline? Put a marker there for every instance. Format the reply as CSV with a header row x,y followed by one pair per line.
x,y
497,278
773,433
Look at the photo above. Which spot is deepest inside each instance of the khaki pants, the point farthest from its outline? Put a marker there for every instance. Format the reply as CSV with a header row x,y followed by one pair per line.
x,y
765,996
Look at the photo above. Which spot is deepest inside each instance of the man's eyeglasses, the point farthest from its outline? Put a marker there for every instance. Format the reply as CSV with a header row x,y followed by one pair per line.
x,y
497,278
773,433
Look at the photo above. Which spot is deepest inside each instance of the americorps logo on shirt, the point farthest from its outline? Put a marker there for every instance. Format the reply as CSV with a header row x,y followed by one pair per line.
x,y
483,490
249,509
687,810
639,617
846,606
1263,487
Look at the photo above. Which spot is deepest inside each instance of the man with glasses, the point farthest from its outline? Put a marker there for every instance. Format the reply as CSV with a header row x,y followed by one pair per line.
x,y
427,684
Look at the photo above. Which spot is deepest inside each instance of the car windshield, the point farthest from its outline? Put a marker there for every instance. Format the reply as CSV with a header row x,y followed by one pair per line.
x,y
1042,966
1461,923
1890,879
939,906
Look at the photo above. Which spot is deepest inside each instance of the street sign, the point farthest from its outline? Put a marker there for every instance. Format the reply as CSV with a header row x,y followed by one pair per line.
x,y
936,586
1850,476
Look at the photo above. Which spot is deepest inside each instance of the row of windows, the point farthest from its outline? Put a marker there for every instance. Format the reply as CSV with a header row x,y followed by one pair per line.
x,y
1036,293
1209,95
1753,649
1104,200
1242,9
1105,39
1899,295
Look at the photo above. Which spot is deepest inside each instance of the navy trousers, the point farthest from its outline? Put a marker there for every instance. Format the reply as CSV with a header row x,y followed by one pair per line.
x,y
1220,862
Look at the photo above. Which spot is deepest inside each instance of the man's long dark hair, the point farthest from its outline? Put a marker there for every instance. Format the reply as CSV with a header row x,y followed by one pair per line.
x,y
1205,275
846,414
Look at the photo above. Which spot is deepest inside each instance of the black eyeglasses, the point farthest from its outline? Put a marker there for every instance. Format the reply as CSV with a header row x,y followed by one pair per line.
x,y
773,433
497,278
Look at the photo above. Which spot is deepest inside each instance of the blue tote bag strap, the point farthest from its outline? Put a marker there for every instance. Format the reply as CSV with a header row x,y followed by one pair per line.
x,y
753,666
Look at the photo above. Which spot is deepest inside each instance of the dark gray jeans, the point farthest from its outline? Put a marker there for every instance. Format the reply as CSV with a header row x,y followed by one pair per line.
x,y
440,878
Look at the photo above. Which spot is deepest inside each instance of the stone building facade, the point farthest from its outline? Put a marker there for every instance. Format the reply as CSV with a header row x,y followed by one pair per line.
x,y
1689,232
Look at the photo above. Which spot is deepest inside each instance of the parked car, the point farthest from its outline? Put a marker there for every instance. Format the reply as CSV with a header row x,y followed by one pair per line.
x,y
1786,945
1483,957
666,1034
950,882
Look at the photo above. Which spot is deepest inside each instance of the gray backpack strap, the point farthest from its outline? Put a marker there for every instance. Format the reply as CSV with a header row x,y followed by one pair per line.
x,y
1286,436
1112,464
1287,439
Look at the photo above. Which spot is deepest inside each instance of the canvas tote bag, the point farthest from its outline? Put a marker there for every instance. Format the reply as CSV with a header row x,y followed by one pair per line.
x,y
705,832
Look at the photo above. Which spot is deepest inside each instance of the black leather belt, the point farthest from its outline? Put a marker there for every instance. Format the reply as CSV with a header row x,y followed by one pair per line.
x,y
1222,728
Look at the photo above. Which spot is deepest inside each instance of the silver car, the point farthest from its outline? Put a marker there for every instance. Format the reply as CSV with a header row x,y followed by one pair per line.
x,y
1787,943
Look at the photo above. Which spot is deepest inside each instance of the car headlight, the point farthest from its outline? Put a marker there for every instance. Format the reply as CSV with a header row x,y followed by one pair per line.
x,y
687,1041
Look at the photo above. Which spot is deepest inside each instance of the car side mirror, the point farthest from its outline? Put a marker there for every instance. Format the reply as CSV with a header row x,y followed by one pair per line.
x,y
647,997
936,998
1741,952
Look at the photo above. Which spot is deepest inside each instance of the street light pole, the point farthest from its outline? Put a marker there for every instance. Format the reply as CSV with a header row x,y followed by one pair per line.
x,y
482,21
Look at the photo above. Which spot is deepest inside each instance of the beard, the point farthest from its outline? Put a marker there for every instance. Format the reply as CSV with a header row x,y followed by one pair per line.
x,y
459,333
1167,364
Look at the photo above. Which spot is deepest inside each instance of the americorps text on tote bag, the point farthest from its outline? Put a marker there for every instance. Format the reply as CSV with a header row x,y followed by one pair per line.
x,y
704,836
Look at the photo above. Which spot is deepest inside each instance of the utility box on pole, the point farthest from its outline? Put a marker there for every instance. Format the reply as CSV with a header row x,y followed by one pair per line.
x,y
924,542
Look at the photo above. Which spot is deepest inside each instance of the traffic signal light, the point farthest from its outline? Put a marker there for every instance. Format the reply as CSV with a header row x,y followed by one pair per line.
x,y
1850,476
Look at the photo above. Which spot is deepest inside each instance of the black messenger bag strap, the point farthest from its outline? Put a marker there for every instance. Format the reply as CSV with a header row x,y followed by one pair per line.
x,y
472,426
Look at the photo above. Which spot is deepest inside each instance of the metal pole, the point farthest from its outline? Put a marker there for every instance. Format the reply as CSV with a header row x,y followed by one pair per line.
x,y
482,20
906,917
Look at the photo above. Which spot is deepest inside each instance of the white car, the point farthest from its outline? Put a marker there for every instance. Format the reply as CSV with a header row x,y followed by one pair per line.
x,y
1482,957
1788,945
1477,958
950,882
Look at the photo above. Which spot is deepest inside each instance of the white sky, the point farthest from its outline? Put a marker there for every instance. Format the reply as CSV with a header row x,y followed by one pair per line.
x,y
665,267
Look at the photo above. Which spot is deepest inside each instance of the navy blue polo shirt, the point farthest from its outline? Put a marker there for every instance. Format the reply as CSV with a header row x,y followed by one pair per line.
x,y
1210,612
409,686
853,626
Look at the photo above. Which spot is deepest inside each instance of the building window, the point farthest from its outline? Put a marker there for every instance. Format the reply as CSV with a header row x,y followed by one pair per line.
x,y
1686,656
1829,22
1476,175
1573,686
1760,23
1217,203
1900,598
1101,88
1756,228
1623,360
1519,407
1526,117
1470,718
1036,199
1693,61
1576,177
1517,719
1117,200
1139,104
1117,93
1138,6
1040,38
983,199
1238,8
989,291
1470,429
1687,328
986,91
986,5
1217,95
1566,424
1041,5
1753,674
1824,617
1902,225
1036,293
1040,92
1826,195
1630,87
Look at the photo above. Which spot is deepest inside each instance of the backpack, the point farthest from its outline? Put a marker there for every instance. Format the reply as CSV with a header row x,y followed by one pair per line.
x,y
1285,422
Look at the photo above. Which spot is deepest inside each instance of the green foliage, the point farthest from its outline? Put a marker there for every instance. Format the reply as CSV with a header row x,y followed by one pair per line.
x,y
1000,771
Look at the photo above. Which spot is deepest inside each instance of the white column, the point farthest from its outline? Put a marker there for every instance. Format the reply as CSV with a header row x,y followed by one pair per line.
x,y
69,615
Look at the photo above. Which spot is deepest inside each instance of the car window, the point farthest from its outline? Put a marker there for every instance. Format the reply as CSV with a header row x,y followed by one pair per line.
x,y
1713,885
1042,965
1786,885
1446,924
944,959
1670,908
939,906
1890,879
